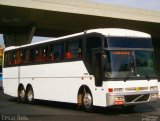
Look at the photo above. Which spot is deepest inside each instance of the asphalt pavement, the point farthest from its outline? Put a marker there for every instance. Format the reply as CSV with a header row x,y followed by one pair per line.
x,y
11,110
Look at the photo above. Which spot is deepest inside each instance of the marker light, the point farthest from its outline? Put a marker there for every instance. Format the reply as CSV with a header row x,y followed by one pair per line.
x,y
154,88
110,89
118,89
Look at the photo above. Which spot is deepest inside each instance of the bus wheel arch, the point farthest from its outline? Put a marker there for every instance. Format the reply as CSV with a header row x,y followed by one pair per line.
x,y
21,93
85,99
29,94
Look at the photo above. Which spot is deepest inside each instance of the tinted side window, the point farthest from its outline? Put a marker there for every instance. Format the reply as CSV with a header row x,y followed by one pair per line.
x,y
29,56
6,59
40,54
74,49
9,58
91,42
56,52
128,42
18,57
14,57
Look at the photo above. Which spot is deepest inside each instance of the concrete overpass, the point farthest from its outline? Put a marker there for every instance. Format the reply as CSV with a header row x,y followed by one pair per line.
x,y
20,20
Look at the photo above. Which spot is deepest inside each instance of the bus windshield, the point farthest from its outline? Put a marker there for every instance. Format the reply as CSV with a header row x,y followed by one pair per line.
x,y
128,63
144,63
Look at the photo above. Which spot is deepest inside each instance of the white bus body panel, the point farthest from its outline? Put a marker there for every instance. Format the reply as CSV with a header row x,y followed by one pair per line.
x,y
101,92
131,83
49,81
10,81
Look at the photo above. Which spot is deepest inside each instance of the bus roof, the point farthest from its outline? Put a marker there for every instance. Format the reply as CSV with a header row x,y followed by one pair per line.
x,y
119,32
103,31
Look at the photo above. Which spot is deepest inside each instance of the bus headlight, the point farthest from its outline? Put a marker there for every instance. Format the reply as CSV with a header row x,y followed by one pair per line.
x,y
118,89
154,88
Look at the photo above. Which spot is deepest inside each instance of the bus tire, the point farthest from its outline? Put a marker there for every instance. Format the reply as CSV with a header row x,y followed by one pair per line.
x,y
87,101
21,94
30,95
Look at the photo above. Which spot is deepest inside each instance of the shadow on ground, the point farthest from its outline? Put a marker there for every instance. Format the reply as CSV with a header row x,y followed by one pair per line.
x,y
114,110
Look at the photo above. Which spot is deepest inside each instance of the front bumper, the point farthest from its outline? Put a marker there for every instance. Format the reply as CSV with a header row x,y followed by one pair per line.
x,y
131,98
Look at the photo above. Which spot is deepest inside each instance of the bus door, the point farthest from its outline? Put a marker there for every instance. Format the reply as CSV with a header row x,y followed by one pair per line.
x,y
97,66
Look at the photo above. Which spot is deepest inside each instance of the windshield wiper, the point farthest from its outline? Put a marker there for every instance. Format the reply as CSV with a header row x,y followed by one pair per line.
x,y
131,71
145,74
147,77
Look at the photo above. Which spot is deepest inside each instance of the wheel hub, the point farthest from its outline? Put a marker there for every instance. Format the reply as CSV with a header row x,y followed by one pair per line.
x,y
30,96
87,100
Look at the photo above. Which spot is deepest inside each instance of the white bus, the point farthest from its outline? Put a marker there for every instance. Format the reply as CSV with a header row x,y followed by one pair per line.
x,y
100,67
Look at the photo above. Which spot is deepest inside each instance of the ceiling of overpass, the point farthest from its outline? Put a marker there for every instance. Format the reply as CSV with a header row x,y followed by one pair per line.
x,y
56,23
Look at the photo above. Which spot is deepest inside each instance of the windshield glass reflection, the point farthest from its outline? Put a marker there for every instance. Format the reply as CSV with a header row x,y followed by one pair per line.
x,y
144,63
119,64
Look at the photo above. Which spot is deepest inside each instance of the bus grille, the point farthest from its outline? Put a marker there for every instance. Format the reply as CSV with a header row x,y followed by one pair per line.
x,y
136,98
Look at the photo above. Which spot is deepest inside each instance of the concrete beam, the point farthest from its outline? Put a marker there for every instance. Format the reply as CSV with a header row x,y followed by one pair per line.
x,y
156,44
24,36
87,8
61,17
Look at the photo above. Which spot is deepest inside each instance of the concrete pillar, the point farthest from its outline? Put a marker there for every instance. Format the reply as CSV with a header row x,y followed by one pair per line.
x,y
19,38
156,45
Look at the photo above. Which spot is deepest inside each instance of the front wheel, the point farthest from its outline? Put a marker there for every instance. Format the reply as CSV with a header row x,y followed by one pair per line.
x,y
87,101
30,95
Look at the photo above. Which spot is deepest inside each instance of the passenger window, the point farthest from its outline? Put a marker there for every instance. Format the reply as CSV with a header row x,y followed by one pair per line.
x,y
18,57
44,53
73,49
40,54
37,55
8,58
56,52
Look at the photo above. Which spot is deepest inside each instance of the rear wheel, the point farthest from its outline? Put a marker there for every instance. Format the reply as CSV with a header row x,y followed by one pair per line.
x,y
21,94
30,95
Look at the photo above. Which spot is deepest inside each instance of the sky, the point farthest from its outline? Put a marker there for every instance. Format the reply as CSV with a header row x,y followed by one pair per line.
x,y
144,4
